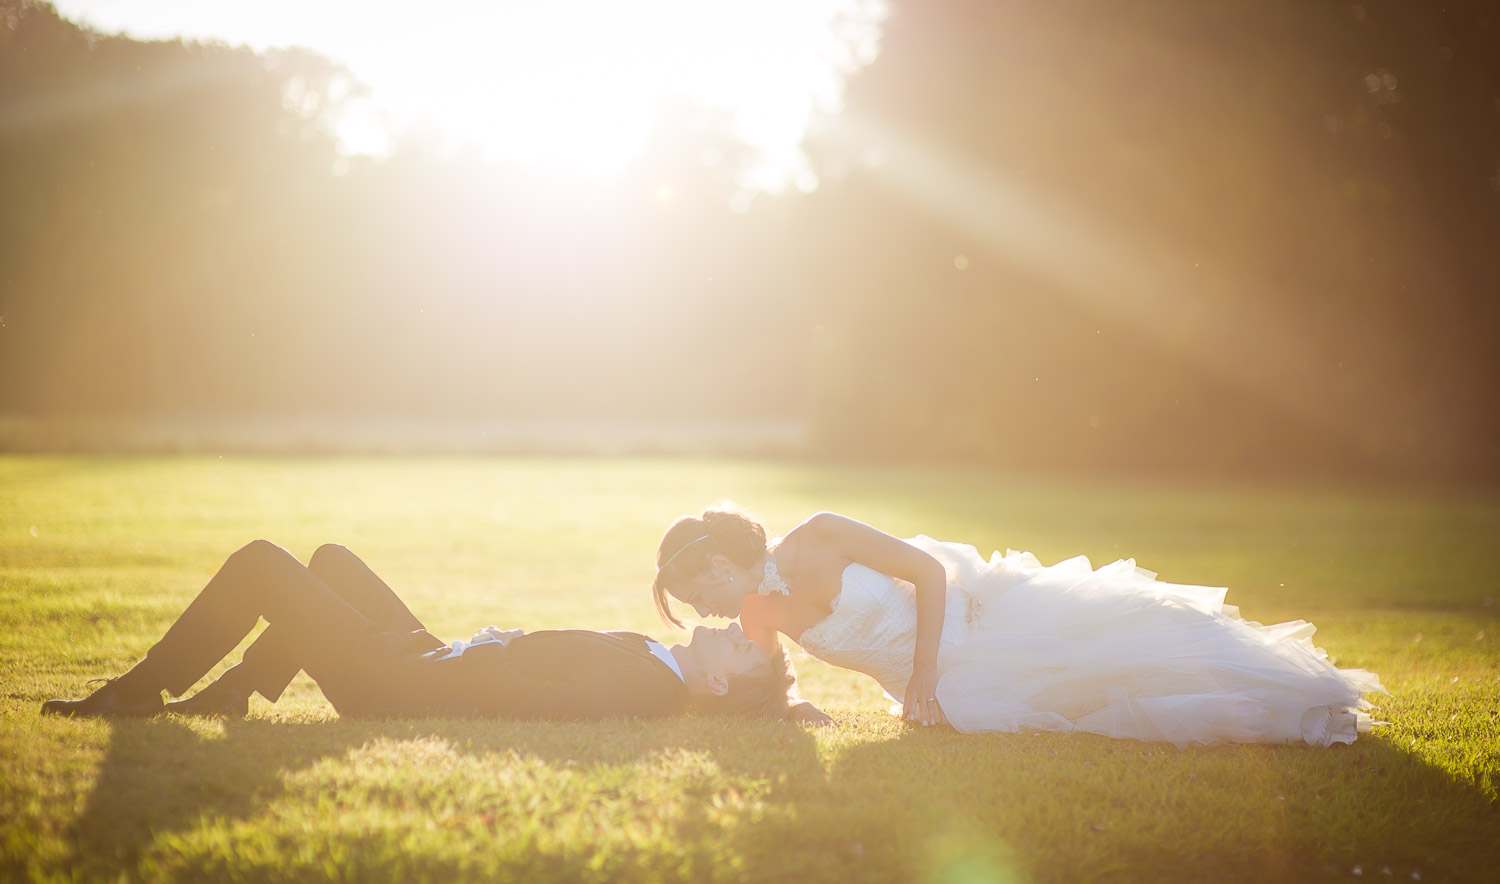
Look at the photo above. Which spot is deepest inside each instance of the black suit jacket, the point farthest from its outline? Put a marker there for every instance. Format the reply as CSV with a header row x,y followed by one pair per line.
x,y
564,674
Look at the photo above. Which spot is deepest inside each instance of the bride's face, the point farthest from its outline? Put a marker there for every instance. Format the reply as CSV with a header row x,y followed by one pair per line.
x,y
713,593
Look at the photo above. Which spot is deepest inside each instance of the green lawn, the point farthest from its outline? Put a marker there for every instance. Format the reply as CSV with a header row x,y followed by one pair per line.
x,y
97,555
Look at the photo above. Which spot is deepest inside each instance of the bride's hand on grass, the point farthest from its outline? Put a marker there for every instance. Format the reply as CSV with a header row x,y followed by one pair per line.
x,y
921,697
804,712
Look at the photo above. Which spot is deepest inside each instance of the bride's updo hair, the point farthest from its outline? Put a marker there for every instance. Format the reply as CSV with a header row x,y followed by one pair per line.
x,y
691,541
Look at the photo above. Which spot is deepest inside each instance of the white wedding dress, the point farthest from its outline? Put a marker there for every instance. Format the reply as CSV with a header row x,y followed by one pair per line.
x,y
1113,652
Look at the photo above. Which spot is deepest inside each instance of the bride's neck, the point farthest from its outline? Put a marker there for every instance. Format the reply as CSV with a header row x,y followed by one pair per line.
x,y
784,556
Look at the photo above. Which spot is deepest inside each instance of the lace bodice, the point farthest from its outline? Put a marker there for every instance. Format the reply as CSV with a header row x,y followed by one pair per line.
x,y
872,627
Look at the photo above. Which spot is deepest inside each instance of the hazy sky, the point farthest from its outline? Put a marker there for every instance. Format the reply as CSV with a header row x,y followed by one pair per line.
x,y
573,84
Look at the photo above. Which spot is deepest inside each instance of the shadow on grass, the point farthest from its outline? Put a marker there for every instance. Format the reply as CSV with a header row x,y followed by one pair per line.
x,y
943,806
167,775
901,805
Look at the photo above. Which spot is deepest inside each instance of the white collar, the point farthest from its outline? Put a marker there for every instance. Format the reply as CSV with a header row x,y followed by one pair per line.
x,y
665,656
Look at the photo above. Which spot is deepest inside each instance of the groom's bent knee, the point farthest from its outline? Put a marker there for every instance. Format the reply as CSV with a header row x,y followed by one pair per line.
x,y
329,555
260,550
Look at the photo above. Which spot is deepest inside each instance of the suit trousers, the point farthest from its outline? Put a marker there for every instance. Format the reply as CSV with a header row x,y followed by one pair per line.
x,y
333,618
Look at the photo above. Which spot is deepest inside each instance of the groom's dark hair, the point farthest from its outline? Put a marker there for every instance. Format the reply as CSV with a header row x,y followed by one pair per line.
x,y
765,693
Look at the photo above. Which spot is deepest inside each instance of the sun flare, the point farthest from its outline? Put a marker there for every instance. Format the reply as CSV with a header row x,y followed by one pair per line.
x,y
576,86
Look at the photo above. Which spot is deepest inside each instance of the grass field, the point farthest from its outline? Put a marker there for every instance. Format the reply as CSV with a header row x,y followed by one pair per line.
x,y
98,555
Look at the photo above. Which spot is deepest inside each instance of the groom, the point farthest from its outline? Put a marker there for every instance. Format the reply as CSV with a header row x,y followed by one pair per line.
x,y
370,655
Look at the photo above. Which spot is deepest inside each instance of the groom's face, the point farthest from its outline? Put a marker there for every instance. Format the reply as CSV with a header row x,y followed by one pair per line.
x,y
725,654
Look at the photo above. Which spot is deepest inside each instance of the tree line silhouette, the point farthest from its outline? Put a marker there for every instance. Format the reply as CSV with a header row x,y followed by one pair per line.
x,y
1174,235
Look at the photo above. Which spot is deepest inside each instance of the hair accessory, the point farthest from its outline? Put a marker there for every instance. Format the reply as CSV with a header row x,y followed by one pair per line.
x,y
772,584
674,555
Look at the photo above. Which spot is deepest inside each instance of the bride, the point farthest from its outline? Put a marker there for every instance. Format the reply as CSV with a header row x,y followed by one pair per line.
x,y
1007,644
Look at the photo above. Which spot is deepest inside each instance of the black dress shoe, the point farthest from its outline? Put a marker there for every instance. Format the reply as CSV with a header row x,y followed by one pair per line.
x,y
216,699
111,699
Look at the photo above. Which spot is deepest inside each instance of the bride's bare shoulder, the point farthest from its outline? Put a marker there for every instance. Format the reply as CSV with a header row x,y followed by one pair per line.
x,y
825,520
806,538
813,554
824,525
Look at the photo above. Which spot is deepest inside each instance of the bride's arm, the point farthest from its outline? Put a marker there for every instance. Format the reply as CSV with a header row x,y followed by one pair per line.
x,y
891,556
802,710
764,634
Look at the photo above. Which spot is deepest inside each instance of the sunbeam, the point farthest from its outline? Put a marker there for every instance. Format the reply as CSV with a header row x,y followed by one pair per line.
x,y
1143,283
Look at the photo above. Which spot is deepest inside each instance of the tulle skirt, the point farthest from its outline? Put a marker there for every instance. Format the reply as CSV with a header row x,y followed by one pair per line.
x,y
1116,652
